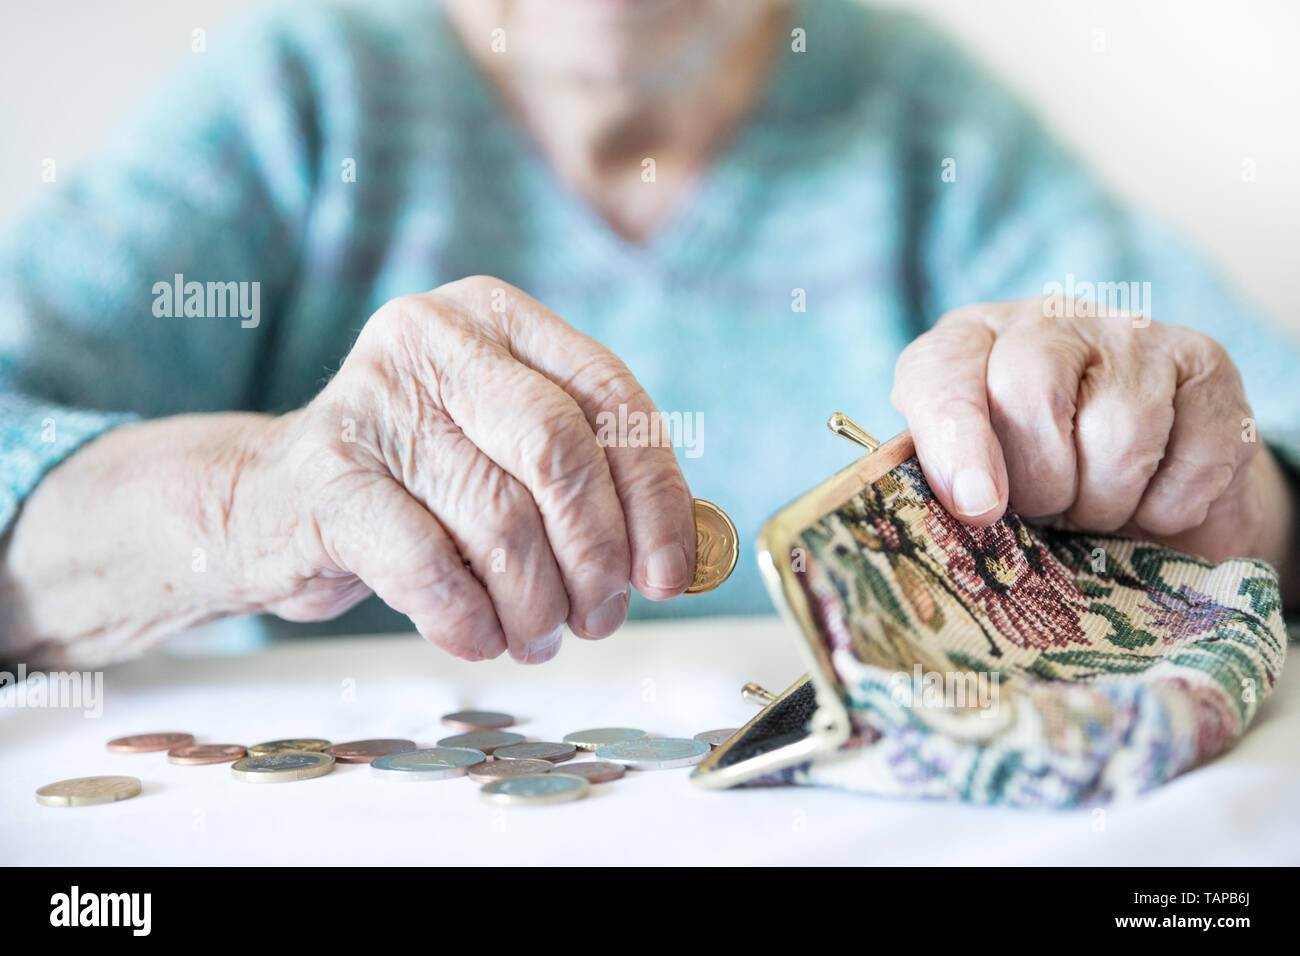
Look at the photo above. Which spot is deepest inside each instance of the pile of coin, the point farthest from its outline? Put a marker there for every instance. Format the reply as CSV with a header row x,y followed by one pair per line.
x,y
513,770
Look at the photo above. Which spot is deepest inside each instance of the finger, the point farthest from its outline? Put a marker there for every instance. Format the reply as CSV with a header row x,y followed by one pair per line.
x,y
391,542
535,432
940,387
495,525
658,513
1205,451
1123,421
1033,380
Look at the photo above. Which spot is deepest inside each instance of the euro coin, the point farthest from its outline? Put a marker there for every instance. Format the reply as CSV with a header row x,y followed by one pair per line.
x,y
292,745
716,738
434,763
147,743
282,767
84,791
536,789
501,769
192,755
655,753
484,740
538,750
478,720
596,771
364,751
598,737
717,547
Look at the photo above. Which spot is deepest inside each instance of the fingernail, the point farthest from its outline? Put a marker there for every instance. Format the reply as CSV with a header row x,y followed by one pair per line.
x,y
607,618
667,568
541,650
973,492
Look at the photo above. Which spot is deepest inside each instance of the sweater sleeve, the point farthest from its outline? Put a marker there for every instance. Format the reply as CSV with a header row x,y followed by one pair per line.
x,y
145,283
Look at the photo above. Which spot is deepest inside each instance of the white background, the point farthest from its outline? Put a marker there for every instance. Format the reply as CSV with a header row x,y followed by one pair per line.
x,y
1180,94
676,678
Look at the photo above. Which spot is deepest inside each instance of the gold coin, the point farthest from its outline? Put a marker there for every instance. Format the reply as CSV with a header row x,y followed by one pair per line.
x,y
83,791
717,547
282,767
292,745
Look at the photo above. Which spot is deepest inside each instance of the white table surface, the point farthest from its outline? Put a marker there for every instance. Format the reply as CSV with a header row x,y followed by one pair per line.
x,y
671,678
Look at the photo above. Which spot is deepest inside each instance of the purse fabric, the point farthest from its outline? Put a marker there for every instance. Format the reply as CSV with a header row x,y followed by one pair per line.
x,y
1026,666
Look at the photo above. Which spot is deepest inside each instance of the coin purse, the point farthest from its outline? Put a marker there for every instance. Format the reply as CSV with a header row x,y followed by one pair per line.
x,y
1009,665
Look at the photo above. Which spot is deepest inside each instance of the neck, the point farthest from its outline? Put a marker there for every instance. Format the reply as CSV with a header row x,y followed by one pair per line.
x,y
597,134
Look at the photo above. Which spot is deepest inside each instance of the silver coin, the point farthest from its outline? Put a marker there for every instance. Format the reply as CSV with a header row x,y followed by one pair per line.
x,y
655,753
435,763
536,789
716,738
282,767
478,720
537,750
484,740
500,769
598,737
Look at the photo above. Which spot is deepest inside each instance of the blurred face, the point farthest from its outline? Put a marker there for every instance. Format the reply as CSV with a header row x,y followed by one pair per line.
x,y
614,42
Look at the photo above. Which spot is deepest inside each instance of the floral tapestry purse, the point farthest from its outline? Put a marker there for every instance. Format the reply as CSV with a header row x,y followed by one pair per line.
x,y
1011,664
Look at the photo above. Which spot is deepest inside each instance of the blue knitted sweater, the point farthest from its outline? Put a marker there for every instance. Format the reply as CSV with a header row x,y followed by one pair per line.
x,y
342,155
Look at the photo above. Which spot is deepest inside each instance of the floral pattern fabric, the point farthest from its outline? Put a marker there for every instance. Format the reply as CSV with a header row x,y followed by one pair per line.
x,y
1026,666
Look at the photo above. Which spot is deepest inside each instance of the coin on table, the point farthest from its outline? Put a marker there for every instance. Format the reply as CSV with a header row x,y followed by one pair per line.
x,y
500,769
192,755
596,771
716,738
364,751
536,789
536,750
147,743
487,741
292,745
282,767
84,791
478,720
717,547
598,737
433,763
655,753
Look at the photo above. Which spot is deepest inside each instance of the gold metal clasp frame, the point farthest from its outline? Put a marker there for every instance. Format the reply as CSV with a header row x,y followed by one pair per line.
x,y
830,726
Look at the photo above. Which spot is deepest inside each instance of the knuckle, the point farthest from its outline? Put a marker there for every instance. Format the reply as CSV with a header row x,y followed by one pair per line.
x,y
563,454
606,379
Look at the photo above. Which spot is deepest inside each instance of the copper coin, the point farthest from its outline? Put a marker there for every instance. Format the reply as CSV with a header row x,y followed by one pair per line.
x,y
484,740
716,738
596,771
147,743
500,769
194,754
717,547
538,750
364,751
478,720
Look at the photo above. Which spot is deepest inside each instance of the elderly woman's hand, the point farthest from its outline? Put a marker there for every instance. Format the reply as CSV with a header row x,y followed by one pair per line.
x,y
1093,422
452,467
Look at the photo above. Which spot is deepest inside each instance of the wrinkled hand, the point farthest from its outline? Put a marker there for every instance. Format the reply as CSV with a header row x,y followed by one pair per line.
x,y
1101,423
452,467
